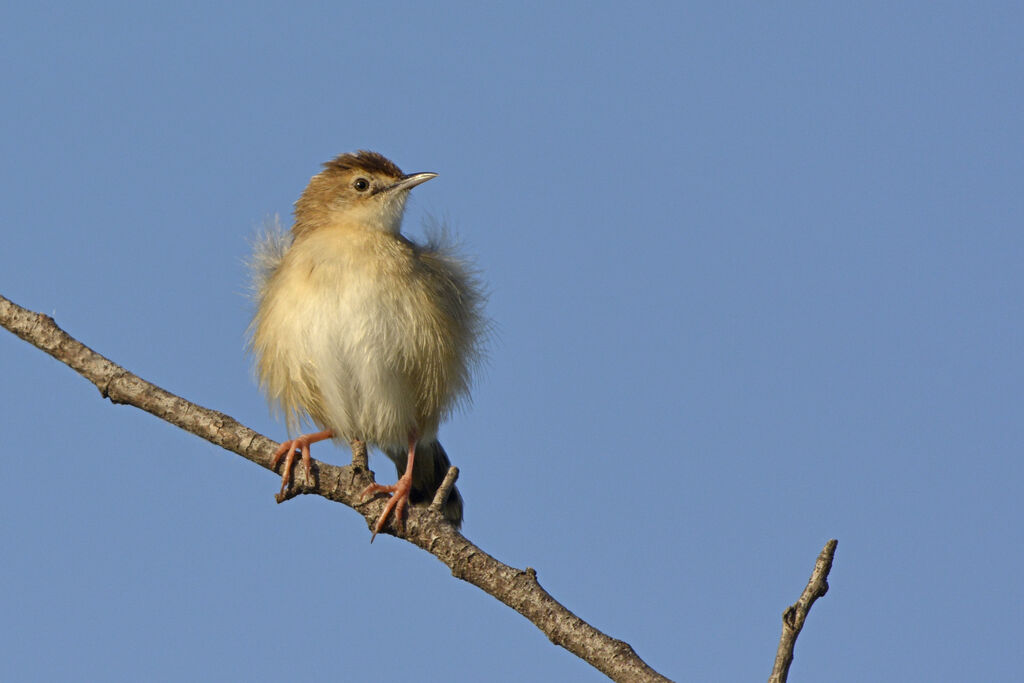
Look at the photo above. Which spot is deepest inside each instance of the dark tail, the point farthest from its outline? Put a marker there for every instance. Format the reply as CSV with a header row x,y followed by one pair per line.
x,y
428,472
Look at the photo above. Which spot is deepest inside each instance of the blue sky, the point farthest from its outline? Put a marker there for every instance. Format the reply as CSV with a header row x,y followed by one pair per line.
x,y
755,272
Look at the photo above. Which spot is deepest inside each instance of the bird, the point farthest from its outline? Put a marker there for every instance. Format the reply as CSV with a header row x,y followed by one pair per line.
x,y
367,334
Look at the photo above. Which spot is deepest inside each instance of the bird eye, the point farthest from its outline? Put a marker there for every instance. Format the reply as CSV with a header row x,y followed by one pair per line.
x,y
361,184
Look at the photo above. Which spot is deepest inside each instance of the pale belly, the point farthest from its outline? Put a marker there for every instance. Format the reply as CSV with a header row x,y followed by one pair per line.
x,y
363,354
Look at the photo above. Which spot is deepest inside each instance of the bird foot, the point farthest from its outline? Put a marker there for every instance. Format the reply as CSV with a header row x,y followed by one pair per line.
x,y
288,450
399,499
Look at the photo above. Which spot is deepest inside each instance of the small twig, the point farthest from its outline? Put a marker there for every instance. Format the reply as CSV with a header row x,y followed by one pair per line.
x,y
444,489
795,615
360,460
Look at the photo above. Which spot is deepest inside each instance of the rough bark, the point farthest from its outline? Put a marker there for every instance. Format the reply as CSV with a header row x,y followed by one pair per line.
x,y
796,614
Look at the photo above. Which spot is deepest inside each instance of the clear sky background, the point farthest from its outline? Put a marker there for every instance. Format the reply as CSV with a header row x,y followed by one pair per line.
x,y
756,278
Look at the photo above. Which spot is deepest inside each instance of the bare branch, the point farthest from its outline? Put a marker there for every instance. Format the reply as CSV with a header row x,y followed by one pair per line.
x,y
424,527
795,615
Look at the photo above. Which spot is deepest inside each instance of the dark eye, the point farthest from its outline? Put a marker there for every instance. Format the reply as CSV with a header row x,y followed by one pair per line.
x,y
361,184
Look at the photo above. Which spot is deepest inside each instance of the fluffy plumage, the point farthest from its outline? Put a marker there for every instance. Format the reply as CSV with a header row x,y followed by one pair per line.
x,y
359,329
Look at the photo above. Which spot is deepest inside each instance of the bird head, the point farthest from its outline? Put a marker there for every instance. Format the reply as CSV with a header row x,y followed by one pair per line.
x,y
364,190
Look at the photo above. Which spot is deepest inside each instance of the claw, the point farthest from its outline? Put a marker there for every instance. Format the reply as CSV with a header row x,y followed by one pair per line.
x,y
399,499
288,450
399,492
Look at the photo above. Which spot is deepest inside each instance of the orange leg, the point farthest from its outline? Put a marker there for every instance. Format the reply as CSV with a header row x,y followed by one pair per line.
x,y
400,491
288,449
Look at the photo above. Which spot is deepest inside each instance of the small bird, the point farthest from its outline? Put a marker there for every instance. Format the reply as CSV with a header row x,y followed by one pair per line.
x,y
369,335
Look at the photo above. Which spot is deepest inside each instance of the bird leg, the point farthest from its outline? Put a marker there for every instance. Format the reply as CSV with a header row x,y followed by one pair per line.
x,y
400,491
288,449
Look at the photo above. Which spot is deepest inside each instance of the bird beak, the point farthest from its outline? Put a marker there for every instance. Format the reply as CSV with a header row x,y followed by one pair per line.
x,y
410,181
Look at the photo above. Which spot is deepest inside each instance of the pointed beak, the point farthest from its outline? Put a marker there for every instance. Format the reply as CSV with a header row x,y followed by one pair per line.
x,y
410,181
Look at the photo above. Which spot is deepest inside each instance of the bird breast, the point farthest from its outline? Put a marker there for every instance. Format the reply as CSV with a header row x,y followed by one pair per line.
x,y
366,334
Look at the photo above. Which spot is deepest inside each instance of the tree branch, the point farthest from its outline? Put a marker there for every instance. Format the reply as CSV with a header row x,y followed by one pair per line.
x,y
424,527
795,615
